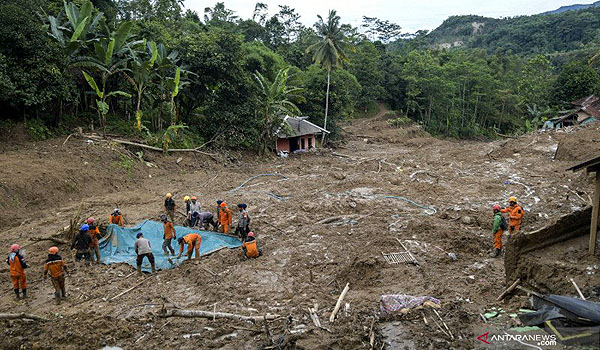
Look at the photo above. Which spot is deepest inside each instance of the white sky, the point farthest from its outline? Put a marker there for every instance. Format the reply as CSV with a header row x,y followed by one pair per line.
x,y
411,15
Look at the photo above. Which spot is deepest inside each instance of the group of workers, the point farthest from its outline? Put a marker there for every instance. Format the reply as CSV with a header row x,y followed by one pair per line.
x,y
86,242
515,217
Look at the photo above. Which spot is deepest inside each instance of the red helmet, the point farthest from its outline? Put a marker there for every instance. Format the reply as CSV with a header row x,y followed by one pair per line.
x,y
250,234
90,220
496,207
14,247
53,250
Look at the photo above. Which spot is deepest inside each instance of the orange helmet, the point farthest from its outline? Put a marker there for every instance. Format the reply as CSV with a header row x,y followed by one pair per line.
x,y
53,250
223,205
194,198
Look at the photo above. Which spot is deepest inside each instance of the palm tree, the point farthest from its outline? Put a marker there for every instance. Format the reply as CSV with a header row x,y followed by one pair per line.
x,y
329,51
276,102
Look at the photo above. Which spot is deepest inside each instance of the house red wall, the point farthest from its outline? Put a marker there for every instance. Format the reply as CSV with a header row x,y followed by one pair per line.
x,y
283,145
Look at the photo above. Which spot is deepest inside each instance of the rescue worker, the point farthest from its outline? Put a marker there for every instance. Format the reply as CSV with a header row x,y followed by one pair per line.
x,y
168,234
250,247
193,241
243,221
497,229
224,217
94,234
55,265
170,207
143,249
194,207
218,212
204,219
82,242
515,215
188,215
116,218
17,264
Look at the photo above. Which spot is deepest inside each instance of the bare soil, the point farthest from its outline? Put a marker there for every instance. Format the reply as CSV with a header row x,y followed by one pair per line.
x,y
305,262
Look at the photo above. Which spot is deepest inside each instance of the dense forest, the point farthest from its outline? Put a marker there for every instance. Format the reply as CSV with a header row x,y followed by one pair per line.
x,y
172,76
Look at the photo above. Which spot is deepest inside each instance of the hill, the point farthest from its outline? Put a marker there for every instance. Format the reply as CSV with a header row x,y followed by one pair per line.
x,y
526,35
574,7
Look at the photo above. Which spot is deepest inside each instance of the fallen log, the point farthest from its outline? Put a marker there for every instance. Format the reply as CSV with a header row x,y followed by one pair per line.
x,y
339,303
22,315
509,289
215,315
53,239
157,149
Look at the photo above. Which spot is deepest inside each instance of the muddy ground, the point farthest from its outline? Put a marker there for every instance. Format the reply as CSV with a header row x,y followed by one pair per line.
x,y
308,260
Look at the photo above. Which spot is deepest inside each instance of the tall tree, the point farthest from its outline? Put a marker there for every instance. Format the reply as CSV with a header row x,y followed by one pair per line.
x,y
329,51
276,100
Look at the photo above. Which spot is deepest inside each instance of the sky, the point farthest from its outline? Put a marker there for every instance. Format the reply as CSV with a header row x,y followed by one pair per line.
x,y
412,15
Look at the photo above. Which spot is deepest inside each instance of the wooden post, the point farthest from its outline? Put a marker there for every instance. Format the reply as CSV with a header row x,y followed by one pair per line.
x,y
596,207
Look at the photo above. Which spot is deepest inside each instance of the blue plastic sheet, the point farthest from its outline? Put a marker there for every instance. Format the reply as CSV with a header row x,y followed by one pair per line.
x,y
117,245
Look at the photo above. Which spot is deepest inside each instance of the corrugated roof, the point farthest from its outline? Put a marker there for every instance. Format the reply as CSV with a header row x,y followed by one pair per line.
x,y
299,126
585,100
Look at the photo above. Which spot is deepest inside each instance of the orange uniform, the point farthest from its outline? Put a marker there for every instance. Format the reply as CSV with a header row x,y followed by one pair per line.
x,y
250,249
94,234
515,216
117,220
225,219
169,230
17,270
193,241
55,267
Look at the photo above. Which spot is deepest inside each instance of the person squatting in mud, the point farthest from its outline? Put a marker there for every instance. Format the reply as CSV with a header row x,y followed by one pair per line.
x,y
55,265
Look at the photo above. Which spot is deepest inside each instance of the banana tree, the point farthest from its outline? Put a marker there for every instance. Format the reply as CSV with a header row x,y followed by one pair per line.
x,y
142,69
73,31
174,84
109,59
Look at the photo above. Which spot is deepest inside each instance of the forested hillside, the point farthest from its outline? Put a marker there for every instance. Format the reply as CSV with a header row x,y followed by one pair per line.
x,y
174,77
525,35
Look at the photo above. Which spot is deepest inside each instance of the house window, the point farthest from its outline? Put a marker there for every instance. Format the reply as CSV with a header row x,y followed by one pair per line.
x,y
303,143
310,142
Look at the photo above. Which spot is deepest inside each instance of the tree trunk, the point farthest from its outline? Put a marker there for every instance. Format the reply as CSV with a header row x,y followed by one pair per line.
x,y
326,105
213,315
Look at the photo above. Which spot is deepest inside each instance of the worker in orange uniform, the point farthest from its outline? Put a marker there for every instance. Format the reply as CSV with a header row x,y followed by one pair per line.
x,y
17,264
55,265
225,218
94,234
193,241
168,235
515,215
116,218
250,247
498,228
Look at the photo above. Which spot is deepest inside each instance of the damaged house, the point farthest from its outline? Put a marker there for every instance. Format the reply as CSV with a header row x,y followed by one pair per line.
x,y
297,134
587,110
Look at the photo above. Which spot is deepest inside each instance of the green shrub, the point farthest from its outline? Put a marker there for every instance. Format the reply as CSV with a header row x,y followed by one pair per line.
x,y
399,121
37,130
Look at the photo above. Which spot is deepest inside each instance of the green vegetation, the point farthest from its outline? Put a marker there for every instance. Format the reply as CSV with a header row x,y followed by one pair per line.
x,y
178,78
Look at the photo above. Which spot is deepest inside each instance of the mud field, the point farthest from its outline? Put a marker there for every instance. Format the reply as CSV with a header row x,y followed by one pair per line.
x,y
323,224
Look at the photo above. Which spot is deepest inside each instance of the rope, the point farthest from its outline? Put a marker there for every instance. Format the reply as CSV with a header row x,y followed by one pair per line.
x,y
429,209
254,177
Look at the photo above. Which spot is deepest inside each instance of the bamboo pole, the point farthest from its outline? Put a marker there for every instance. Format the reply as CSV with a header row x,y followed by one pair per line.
x,y
339,303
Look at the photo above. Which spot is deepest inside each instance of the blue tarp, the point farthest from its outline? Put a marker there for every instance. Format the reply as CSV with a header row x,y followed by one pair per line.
x,y
117,245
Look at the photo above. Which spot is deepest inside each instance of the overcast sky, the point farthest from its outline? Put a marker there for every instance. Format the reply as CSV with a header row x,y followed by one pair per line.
x,y
410,14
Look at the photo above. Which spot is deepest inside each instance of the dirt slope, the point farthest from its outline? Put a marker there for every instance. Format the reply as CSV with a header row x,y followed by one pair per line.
x,y
305,262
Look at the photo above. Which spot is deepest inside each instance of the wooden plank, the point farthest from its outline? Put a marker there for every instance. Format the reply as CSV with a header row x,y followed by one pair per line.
x,y
509,289
595,209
